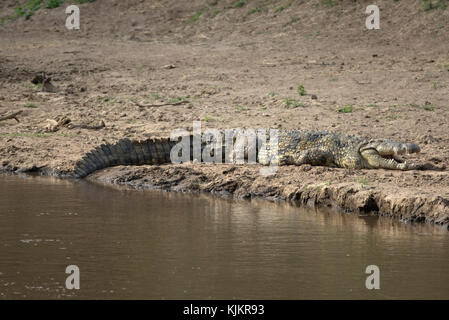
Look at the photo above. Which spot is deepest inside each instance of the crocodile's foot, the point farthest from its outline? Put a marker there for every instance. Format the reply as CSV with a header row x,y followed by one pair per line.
x,y
384,154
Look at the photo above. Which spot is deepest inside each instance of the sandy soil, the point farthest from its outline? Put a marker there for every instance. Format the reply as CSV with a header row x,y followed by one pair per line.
x,y
236,69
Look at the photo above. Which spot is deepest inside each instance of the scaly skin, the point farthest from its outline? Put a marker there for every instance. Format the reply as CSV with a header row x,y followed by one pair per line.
x,y
295,147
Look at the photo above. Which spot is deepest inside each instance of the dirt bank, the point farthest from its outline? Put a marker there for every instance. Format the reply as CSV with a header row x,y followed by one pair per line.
x,y
237,66
361,192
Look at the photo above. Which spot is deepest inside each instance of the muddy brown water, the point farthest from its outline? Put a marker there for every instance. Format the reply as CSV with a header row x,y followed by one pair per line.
x,y
158,245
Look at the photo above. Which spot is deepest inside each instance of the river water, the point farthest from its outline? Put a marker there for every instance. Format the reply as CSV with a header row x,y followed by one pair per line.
x,y
159,245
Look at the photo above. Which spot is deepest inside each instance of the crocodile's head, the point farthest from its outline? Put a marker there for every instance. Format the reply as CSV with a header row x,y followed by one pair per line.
x,y
384,154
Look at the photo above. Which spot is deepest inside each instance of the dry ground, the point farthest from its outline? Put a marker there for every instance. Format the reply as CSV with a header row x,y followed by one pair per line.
x,y
237,67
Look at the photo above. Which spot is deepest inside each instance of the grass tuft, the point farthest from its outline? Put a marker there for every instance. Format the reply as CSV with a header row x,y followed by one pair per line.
x,y
346,109
239,4
30,105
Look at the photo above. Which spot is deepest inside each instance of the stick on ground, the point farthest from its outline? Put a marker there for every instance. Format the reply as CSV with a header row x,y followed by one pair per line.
x,y
11,116
159,105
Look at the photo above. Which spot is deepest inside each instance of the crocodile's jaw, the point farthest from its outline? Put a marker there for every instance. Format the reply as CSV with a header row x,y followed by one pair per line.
x,y
383,154
373,160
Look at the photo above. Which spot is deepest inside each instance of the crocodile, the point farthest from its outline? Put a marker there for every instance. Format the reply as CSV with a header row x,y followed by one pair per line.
x,y
294,147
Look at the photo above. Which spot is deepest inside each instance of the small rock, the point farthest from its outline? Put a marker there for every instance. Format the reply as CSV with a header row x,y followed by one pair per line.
x,y
47,86
169,66
129,37
435,160
51,126
38,79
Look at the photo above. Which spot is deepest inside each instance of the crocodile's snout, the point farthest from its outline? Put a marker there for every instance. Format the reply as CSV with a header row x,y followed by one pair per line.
x,y
390,148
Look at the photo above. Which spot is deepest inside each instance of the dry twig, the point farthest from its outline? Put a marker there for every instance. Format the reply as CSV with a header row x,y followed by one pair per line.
x,y
159,105
11,116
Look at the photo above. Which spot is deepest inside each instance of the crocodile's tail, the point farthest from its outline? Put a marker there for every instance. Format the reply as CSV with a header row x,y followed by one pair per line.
x,y
125,152
154,151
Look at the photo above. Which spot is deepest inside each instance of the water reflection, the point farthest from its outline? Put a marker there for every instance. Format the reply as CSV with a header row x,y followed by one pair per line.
x,y
159,245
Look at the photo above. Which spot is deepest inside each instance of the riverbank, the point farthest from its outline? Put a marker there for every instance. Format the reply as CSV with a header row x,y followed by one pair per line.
x,y
144,77
354,191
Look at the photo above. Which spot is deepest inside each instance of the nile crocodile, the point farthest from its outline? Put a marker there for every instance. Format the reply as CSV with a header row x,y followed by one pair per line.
x,y
295,147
